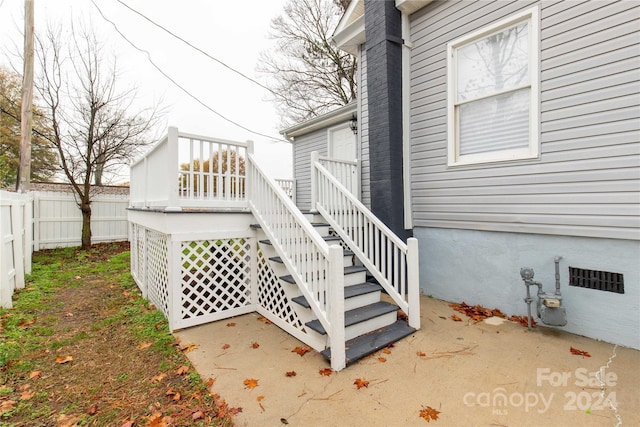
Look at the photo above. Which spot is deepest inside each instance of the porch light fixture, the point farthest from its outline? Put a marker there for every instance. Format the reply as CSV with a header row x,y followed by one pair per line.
x,y
353,124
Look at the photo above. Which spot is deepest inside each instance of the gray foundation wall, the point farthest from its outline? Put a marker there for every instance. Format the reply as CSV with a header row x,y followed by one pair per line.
x,y
483,267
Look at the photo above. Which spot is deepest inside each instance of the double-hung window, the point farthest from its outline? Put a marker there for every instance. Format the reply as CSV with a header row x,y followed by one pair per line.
x,y
493,92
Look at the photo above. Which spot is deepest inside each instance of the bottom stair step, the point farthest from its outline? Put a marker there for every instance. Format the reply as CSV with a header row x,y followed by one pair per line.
x,y
357,315
364,345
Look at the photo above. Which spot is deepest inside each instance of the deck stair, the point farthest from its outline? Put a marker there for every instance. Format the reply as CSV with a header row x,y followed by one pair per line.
x,y
370,323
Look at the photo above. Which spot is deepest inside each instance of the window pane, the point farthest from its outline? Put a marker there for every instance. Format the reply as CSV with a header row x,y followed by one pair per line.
x,y
495,63
495,124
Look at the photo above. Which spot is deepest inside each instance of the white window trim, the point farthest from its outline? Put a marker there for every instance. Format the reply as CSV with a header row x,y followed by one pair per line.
x,y
533,150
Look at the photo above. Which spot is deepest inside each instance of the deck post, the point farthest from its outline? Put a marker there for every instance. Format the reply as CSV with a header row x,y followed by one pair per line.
x,y
336,307
315,157
172,168
175,282
413,281
248,184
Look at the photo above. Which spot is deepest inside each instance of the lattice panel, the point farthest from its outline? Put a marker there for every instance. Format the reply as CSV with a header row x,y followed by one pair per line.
x,y
272,297
215,276
157,276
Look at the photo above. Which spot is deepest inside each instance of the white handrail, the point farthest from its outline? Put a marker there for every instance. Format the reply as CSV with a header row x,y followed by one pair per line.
x,y
316,267
392,262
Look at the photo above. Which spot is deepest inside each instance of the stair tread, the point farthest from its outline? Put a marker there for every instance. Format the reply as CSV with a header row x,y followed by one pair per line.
x,y
347,270
278,259
364,345
325,238
349,292
358,315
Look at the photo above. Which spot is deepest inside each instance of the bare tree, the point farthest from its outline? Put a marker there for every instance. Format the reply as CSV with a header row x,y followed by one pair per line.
x,y
309,75
94,125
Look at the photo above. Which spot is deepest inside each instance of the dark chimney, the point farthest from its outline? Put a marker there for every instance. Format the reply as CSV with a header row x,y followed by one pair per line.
x,y
384,85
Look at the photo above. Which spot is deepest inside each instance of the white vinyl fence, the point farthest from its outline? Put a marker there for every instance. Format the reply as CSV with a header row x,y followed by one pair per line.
x,y
44,220
58,220
16,213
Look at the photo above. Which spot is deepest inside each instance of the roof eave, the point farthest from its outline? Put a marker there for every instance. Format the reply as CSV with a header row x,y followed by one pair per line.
x,y
410,6
336,116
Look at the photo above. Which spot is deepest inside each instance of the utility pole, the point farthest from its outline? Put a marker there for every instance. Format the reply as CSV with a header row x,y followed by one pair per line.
x,y
23,183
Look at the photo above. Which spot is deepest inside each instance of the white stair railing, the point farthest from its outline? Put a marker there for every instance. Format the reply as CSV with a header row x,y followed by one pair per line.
x,y
316,267
393,263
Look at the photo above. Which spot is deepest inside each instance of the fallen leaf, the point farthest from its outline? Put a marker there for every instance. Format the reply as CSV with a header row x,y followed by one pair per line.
x,y
188,347
235,411
182,370
326,372
301,350
158,378
157,420
127,424
291,373
251,383
7,405
93,409
284,421
151,307
361,383
421,353
255,345
35,375
27,394
66,359
456,318
579,352
68,315
77,277
67,421
177,396
402,316
27,323
429,413
382,359
210,382
226,346
198,415
386,351
144,345
265,320
260,398
126,293
230,324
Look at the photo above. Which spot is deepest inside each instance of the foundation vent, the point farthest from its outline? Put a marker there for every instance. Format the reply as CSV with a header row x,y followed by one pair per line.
x,y
594,279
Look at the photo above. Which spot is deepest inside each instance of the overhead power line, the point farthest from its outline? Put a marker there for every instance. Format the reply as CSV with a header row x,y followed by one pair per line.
x,y
195,47
148,56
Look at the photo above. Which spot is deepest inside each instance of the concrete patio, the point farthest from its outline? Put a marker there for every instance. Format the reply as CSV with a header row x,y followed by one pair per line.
x,y
489,373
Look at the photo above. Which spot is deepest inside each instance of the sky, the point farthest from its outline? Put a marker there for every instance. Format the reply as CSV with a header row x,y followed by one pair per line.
x,y
232,32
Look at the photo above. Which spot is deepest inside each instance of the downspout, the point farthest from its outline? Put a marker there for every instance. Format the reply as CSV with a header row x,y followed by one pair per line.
x,y
406,120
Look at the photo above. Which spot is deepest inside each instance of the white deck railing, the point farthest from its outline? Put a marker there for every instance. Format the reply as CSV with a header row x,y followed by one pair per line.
x,y
316,267
190,171
393,263
345,171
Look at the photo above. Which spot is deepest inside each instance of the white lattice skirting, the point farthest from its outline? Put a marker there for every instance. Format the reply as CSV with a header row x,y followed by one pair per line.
x,y
200,281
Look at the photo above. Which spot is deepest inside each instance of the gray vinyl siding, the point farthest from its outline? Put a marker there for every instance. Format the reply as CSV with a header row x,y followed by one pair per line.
x,y
363,122
587,179
302,148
